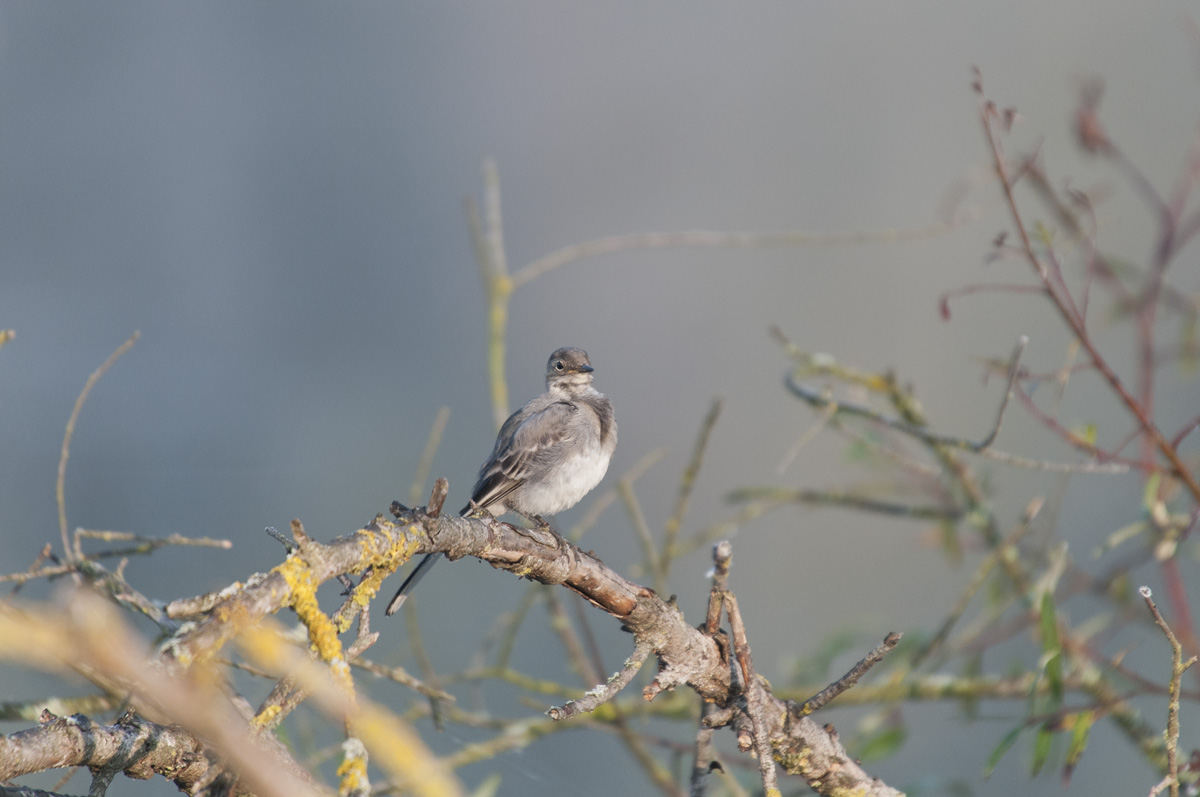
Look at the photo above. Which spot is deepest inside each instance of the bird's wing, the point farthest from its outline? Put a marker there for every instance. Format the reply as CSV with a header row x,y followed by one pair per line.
x,y
525,440
492,489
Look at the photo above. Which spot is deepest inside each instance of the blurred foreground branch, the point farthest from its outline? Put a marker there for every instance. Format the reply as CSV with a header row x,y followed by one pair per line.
x,y
182,669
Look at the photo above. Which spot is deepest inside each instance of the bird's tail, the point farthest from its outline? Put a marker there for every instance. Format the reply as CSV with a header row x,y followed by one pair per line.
x,y
416,575
419,572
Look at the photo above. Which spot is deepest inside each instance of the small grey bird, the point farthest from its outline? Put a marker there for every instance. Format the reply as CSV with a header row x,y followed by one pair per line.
x,y
548,455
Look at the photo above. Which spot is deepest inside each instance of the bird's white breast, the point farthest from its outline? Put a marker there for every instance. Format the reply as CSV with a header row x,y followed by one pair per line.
x,y
564,488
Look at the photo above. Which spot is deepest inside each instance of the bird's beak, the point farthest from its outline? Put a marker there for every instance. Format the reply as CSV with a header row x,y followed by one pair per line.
x,y
586,369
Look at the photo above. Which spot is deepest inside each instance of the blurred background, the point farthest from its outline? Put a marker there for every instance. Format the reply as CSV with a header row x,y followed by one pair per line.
x,y
273,195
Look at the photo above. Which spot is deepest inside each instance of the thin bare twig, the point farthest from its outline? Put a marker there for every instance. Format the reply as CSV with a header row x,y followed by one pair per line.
x,y
507,628
727,239
722,554
425,465
591,644
1141,406
144,545
417,645
705,759
687,484
755,696
604,692
572,646
823,418
989,114
853,676
637,519
1178,667
835,498
990,562
60,484
402,677
499,287
1013,369
819,399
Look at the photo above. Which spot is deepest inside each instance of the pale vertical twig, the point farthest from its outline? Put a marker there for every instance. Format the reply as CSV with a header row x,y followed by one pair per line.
x,y
637,519
60,485
499,287
1178,667
687,484
425,465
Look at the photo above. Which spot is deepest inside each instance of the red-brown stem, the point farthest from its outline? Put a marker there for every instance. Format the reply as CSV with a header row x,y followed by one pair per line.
x,y
1155,438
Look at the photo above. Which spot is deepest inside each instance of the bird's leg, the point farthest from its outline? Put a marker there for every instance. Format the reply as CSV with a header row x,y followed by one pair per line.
x,y
479,511
535,519
538,530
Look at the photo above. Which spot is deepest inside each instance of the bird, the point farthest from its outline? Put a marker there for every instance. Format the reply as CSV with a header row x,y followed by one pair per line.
x,y
548,455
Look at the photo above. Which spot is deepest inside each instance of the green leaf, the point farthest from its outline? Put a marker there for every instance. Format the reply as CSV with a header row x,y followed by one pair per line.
x,y
951,544
1081,726
1121,535
1150,492
1091,433
882,744
1121,589
1041,748
1187,347
972,668
1043,233
1006,743
1051,649
859,451
489,786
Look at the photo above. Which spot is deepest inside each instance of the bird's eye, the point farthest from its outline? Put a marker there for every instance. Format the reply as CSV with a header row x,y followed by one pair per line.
x,y
558,366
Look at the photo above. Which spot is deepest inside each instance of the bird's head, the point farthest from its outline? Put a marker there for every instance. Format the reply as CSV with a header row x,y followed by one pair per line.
x,y
568,368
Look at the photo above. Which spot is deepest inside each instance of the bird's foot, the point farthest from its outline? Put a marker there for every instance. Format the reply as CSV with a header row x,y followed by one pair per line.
x,y
536,520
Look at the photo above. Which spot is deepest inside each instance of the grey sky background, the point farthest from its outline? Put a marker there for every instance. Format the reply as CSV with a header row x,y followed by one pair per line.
x,y
272,194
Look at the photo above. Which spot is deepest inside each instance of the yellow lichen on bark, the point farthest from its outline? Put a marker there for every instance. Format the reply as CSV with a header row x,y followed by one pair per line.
x,y
264,717
322,634
353,769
